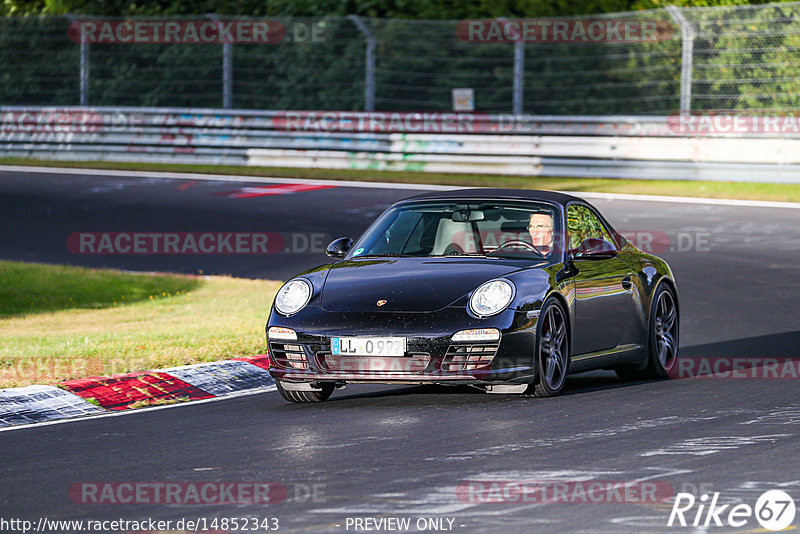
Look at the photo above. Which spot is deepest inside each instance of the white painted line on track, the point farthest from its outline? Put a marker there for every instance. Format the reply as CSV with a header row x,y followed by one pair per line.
x,y
223,178
689,200
382,185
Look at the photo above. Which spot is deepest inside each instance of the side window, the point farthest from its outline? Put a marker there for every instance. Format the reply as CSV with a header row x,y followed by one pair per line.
x,y
583,224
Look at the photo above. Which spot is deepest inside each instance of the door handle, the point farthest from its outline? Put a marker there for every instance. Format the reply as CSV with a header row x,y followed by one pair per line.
x,y
626,282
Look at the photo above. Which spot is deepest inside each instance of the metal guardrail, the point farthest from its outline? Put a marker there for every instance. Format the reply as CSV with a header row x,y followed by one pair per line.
x,y
614,147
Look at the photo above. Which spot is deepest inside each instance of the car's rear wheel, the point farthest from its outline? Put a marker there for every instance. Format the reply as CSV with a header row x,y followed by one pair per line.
x,y
662,345
551,352
319,395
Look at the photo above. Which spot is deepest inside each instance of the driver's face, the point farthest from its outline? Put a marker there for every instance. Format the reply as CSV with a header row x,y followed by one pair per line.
x,y
541,229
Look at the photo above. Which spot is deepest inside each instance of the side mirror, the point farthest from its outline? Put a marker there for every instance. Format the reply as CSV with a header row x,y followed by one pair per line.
x,y
620,239
594,249
339,248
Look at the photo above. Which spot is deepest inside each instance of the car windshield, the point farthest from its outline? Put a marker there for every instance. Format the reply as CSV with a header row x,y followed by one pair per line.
x,y
509,229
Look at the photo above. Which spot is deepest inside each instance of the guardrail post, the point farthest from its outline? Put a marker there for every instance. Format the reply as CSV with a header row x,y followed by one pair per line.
x,y
84,67
687,55
369,82
227,70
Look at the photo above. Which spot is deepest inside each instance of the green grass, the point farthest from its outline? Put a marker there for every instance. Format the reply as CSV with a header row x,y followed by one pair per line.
x,y
86,327
34,288
734,190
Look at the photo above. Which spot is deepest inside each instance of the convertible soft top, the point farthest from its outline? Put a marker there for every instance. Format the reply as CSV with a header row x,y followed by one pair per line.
x,y
492,193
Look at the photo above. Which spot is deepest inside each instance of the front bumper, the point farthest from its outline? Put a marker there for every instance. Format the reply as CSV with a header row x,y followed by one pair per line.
x,y
431,355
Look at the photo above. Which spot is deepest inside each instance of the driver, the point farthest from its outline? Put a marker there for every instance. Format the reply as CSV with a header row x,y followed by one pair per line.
x,y
540,227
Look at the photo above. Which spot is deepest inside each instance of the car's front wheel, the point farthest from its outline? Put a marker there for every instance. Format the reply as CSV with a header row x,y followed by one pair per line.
x,y
317,395
662,353
552,351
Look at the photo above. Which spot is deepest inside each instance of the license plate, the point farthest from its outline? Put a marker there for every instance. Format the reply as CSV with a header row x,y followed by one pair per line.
x,y
368,346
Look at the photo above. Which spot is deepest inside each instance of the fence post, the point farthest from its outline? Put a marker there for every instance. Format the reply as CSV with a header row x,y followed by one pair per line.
x,y
84,67
687,55
519,72
227,69
369,89
519,69
84,74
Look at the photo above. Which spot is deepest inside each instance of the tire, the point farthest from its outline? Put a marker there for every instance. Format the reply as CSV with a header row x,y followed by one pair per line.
x,y
551,360
662,338
305,396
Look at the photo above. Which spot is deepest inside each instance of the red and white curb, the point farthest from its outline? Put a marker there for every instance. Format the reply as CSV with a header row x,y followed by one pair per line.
x,y
104,394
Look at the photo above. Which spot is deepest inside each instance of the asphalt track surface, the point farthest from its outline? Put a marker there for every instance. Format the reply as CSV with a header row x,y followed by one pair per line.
x,y
384,452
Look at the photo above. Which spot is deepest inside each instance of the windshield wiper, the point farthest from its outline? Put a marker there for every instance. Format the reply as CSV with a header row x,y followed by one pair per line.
x,y
470,254
382,256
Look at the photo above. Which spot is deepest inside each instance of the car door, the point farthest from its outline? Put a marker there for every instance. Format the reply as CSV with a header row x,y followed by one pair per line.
x,y
603,288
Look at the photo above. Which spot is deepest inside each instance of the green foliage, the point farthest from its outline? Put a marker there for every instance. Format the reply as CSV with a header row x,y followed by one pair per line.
x,y
418,63
408,9
744,58
749,58
34,61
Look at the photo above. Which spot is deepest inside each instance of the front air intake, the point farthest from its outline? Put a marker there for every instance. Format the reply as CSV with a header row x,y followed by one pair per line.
x,y
289,355
468,357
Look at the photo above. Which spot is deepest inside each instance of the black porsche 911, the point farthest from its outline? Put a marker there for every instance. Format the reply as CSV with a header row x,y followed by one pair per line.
x,y
506,290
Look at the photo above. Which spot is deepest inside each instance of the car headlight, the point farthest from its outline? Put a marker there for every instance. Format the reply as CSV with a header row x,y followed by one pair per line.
x,y
491,298
293,296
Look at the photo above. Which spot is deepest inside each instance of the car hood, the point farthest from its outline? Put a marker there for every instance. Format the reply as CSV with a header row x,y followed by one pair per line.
x,y
406,284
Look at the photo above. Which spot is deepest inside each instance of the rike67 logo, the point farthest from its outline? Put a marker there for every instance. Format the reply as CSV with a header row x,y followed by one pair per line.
x,y
774,510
